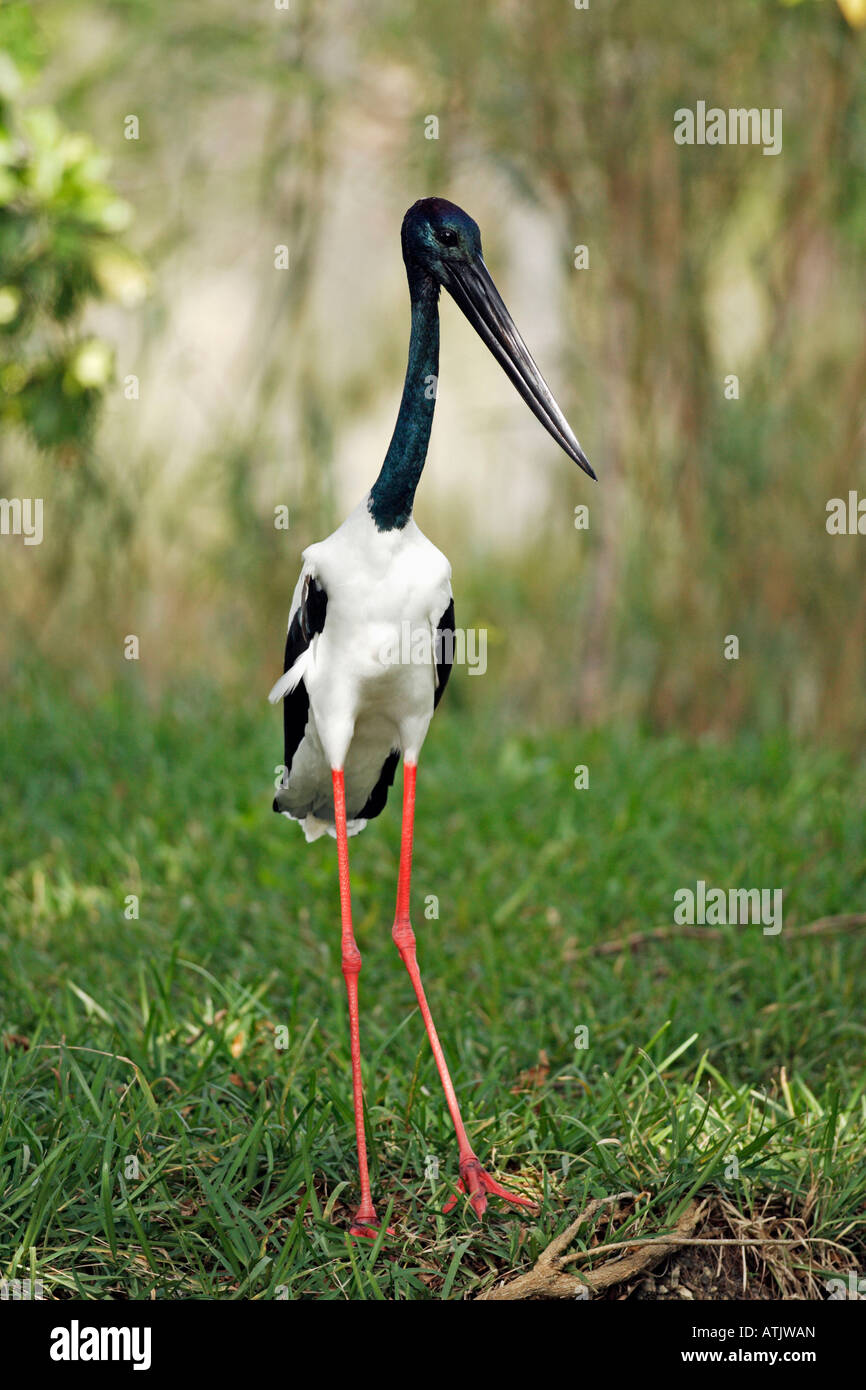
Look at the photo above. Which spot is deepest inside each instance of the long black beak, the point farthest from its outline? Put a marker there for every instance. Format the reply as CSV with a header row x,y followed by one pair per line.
x,y
472,287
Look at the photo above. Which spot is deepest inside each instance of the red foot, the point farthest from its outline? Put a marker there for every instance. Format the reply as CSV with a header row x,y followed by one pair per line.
x,y
477,1182
366,1225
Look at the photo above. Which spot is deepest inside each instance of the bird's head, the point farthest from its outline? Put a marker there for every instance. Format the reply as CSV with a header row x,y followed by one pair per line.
x,y
442,242
438,236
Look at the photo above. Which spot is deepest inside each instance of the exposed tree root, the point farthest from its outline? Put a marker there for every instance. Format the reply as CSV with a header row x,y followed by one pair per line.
x,y
548,1279
845,921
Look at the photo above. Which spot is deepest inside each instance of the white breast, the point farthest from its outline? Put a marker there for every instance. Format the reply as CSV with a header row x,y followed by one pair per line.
x,y
371,672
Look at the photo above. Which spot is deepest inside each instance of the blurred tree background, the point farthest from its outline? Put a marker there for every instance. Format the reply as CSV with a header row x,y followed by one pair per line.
x,y
164,386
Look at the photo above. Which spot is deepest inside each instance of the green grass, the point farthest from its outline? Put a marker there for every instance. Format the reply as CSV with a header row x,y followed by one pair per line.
x,y
154,1140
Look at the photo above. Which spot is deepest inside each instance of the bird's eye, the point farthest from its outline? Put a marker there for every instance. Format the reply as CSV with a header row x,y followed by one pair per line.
x,y
446,236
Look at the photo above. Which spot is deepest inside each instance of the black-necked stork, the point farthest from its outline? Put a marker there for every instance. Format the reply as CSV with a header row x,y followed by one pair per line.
x,y
350,708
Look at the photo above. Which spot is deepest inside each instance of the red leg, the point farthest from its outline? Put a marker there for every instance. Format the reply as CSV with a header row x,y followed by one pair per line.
x,y
366,1223
473,1178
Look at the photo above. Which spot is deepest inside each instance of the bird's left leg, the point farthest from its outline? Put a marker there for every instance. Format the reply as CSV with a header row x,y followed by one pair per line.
x,y
473,1178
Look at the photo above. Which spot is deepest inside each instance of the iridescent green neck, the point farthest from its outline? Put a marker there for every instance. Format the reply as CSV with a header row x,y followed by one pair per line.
x,y
393,492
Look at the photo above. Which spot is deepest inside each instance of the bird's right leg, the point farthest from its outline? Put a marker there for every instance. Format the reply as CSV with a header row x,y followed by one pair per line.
x,y
365,1223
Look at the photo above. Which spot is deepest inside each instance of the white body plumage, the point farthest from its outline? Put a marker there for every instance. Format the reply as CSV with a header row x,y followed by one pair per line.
x,y
366,699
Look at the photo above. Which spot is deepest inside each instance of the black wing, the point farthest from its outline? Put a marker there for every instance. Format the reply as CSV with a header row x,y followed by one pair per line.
x,y
444,651
379,795
308,620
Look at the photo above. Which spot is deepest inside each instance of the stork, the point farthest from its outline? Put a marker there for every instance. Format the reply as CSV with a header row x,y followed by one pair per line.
x,y
350,710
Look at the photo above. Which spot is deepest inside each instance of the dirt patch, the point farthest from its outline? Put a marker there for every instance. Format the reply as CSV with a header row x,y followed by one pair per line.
x,y
689,1276
714,1253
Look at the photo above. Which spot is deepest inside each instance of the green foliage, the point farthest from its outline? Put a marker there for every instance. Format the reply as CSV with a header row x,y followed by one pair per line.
x,y
59,254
